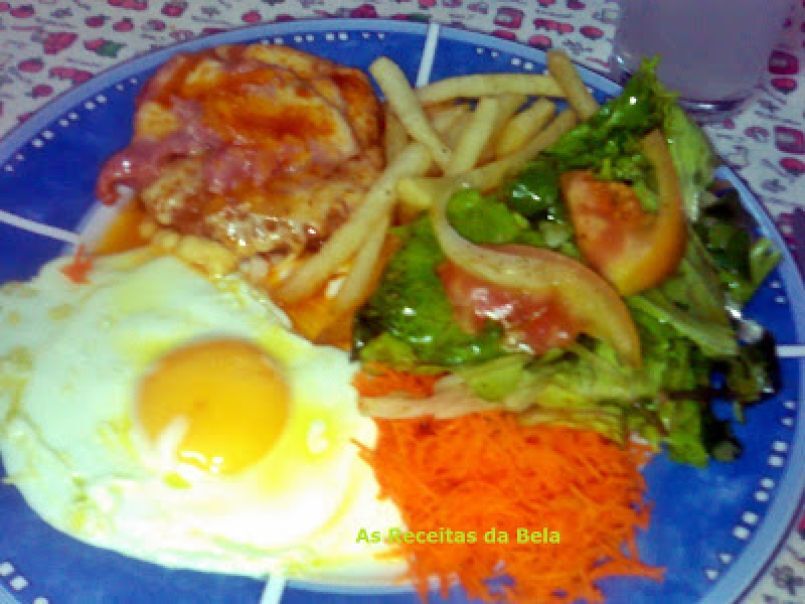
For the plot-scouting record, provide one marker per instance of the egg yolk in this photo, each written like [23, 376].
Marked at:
[227, 398]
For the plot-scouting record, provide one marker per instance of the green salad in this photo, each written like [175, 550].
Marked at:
[687, 321]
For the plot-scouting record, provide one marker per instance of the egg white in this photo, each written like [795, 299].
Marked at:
[70, 362]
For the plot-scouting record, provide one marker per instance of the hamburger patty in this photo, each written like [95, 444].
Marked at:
[264, 149]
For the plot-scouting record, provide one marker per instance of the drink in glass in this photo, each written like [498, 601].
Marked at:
[711, 51]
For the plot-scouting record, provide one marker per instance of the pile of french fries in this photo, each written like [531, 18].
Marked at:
[465, 131]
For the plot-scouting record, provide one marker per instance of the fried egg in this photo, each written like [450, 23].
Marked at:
[178, 420]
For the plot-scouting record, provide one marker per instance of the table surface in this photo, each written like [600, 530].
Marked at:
[49, 46]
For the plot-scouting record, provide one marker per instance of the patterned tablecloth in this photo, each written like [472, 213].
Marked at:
[48, 46]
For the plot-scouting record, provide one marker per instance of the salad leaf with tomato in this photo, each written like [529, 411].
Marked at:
[539, 350]
[409, 319]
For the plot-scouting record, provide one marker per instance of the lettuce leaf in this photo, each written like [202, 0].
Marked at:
[740, 263]
[410, 305]
[484, 220]
[692, 155]
[609, 142]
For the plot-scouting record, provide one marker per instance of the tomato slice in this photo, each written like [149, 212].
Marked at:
[562, 300]
[634, 249]
[539, 322]
[544, 274]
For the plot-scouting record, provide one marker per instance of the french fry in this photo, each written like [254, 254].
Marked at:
[523, 127]
[338, 332]
[508, 104]
[456, 129]
[565, 74]
[416, 194]
[475, 137]
[437, 109]
[342, 245]
[354, 289]
[422, 191]
[474, 86]
[404, 102]
[395, 138]
[491, 175]
[444, 119]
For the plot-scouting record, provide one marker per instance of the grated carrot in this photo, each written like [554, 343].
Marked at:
[376, 379]
[484, 471]
[79, 267]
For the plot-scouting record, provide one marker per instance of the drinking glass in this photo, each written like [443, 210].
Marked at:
[712, 52]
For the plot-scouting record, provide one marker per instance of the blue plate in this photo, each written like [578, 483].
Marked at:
[714, 530]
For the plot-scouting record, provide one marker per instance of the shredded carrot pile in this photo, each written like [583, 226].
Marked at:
[376, 379]
[485, 471]
[78, 269]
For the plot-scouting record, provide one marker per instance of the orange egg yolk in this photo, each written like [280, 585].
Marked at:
[227, 396]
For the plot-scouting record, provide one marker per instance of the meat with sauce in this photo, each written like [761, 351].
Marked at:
[264, 149]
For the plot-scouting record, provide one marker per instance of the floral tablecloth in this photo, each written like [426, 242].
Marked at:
[48, 46]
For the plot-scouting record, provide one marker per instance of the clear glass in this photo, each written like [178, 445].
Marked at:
[713, 52]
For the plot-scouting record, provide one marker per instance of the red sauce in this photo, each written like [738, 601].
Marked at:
[256, 120]
[167, 82]
[253, 136]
